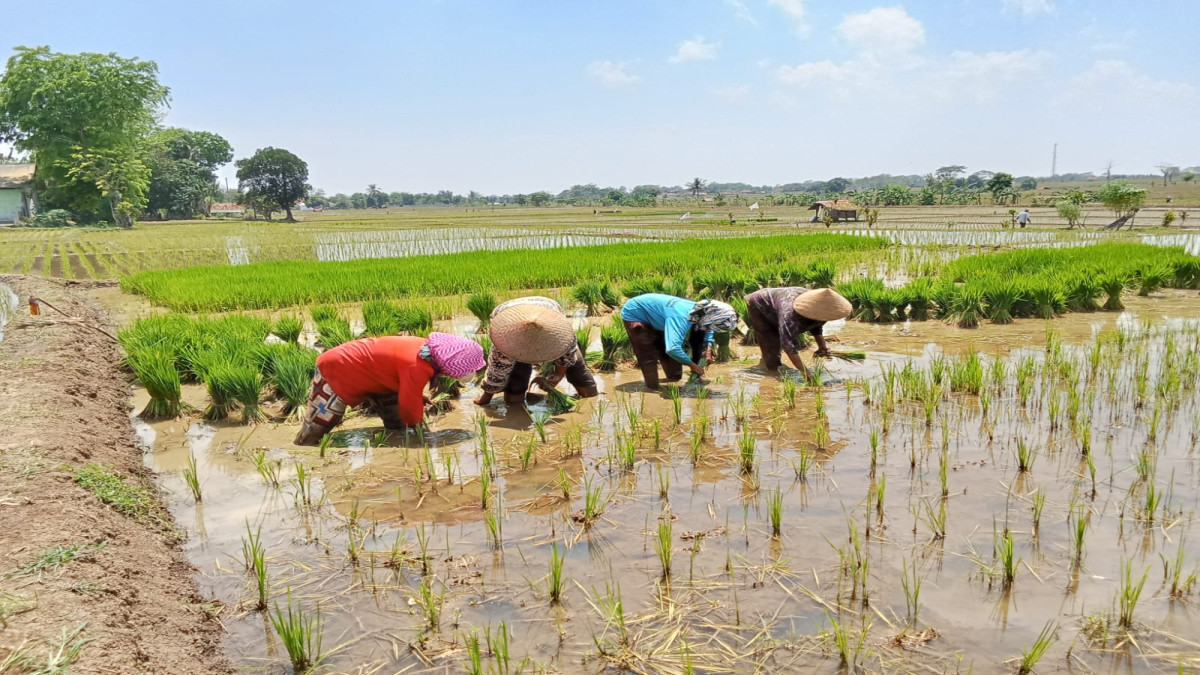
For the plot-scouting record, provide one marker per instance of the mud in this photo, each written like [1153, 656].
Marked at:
[130, 593]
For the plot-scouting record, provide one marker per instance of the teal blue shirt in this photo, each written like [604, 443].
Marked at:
[668, 314]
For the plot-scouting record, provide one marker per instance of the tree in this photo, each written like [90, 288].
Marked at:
[94, 108]
[837, 185]
[950, 172]
[1188, 177]
[980, 178]
[540, 198]
[1028, 183]
[1169, 171]
[999, 184]
[274, 174]
[696, 186]
[1071, 211]
[1121, 197]
[376, 198]
[183, 166]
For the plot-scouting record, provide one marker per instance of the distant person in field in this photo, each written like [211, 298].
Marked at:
[394, 369]
[1023, 218]
[663, 328]
[527, 332]
[780, 317]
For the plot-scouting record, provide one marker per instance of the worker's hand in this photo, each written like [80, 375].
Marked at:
[823, 353]
[426, 400]
[697, 369]
[710, 354]
[484, 399]
[636, 324]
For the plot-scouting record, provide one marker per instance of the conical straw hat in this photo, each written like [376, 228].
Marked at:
[822, 304]
[532, 333]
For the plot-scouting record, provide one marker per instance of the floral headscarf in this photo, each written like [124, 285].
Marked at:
[714, 315]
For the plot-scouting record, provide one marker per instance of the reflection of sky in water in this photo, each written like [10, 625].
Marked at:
[1190, 241]
[238, 252]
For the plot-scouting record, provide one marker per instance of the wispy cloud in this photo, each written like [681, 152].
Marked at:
[694, 50]
[741, 11]
[883, 31]
[612, 74]
[795, 11]
[1029, 8]
[730, 92]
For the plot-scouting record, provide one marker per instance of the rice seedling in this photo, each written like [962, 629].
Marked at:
[303, 481]
[559, 402]
[485, 489]
[593, 504]
[724, 353]
[155, 369]
[626, 447]
[918, 295]
[322, 313]
[675, 393]
[431, 603]
[423, 547]
[481, 305]
[775, 511]
[1031, 656]
[1077, 527]
[1025, 454]
[1008, 559]
[787, 386]
[288, 328]
[267, 469]
[540, 417]
[935, 519]
[1082, 292]
[910, 581]
[747, 452]
[662, 546]
[1128, 594]
[656, 433]
[1039, 504]
[1000, 297]
[300, 632]
[494, 526]
[821, 436]
[803, 464]
[873, 442]
[944, 474]
[333, 333]
[293, 372]
[880, 489]
[255, 558]
[590, 295]
[1180, 585]
[564, 483]
[246, 384]
[614, 346]
[474, 654]
[192, 479]
[848, 646]
[967, 306]
[557, 582]
[1153, 277]
[528, 453]
[1113, 285]
[1153, 500]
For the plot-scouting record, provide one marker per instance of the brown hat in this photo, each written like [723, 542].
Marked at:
[822, 304]
[531, 333]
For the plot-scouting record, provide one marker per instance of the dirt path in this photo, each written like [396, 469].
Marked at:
[106, 576]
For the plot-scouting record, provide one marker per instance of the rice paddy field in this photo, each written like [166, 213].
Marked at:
[1007, 482]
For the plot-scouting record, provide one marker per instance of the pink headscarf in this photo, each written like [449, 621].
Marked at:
[455, 356]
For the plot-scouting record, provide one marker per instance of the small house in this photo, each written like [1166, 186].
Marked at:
[220, 209]
[16, 192]
[842, 209]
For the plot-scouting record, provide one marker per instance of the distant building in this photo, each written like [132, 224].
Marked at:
[842, 209]
[16, 191]
[227, 209]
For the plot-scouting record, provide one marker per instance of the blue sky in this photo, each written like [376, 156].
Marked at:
[504, 97]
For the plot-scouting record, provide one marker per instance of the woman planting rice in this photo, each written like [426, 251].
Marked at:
[660, 326]
[526, 332]
[379, 368]
[781, 315]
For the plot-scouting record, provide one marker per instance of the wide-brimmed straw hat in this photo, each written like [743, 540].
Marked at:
[822, 304]
[532, 333]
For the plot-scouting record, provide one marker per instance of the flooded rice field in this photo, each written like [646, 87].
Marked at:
[937, 508]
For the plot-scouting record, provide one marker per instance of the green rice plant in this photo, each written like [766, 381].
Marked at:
[1008, 560]
[1001, 296]
[664, 483]
[821, 436]
[255, 557]
[944, 292]
[583, 338]
[675, 393]
[192, 479]
[743, 310]
[888, 305]
[880, 490]
[593, 503]
[848, 646]
[590, 294]
[220, 382]
[323, 313]
[481, 305]
[1046, 299]
[288, 328]
[1153, 500]
[246, 384]
[333, 333]
[803, 464]
[944, 474]
[968, 306]
[300, 633]
[1180, 585]
[414, 321]
[747, 452]
[910, 581]
[643, 286]
[422, 536]
[528, 453]
[474, 654]
[720, 283]
[935, 519]
[1039, 504]
[918, 295]
[724, 353]
[1025, 455]
[787, 387]
[1082, 292]
[1077, 526]
[862, 293]
[696, 440]
[1031, 656]
[1153, 277]
[293, 378]
[662, 545]
[540, 418]
[379, 317]
[1114, 284]
[268, 469]
[304, 488]
[1128, 594]
[155, 369]
[485, 489]
[557, 583]
[626, 446]
[614, 346]
[431, 604]
[775, 511]
[820, 274]
[494, 526]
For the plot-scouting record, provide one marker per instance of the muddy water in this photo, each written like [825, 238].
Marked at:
[738, 599]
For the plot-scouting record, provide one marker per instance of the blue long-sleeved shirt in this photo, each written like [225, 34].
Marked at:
[668, 314]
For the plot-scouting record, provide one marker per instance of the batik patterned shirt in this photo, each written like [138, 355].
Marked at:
[775, 304]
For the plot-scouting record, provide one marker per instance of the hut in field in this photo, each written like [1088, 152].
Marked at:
[16, 191]
[841, 209]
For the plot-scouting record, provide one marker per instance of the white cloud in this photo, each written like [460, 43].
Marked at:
[741, 11]
[985, 75]
[1029, 8]
[1116, 81]
[731, 92]
[694, 50]
[612, 74]
[795, 10]
[812, 74]
[883, 31]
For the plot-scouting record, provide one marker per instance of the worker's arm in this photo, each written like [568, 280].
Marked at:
[563, 363]
[499, 368]
[794, 357]
[822, 348]
[675, 335]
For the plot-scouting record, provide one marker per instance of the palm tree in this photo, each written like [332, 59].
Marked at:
[696, 186]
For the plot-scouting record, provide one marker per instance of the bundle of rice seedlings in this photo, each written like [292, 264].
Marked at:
[380, 317]
[246, 384]
[721, 340]
[694, 378]
[638, 287]
[614, 346]
[322, 313]
[918, 295]
[293, 378]
[743, 311]
[679, 287]
[967, 306]
[333, 332]
[219, 382]
[484, 341]
[288, 328]
[1114, 284]
[583, 338]
[609, 296]
[414, 321]
[1082, 291]
[1046, 298]
[1000, 297]
[943, 295]
[444, 390]
[558, 401]
[481, 305]
[722, 284]
[848, 355]
[590, 294]
[820, 274]
[888, 305]
[155, 368]
[861, 293]
[264, 356]
[1187, 273]
[1153, 277]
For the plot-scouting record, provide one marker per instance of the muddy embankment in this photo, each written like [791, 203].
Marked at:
[91, 573]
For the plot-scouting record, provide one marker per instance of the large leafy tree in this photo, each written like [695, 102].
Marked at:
[183, 178]
[999, 184]
[1122, 197]
[276, 175]
[83, 119]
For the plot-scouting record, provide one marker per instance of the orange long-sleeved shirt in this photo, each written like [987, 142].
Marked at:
[380, 365]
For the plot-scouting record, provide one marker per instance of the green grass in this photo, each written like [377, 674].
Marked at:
[291, 283]
[52, 559]
[56, 660]
[130, 500]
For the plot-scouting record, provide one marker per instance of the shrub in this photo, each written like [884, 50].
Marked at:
[51, 218]
[1070, 211]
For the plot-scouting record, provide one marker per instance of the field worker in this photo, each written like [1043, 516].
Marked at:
[661, 326]
[527, 332]
[35, 306]
[781, 315]
[393, 365]
[1023, 218]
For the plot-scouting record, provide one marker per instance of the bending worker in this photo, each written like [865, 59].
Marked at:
[781, 316]
[381, 367]
[661, 326]
[527, 332]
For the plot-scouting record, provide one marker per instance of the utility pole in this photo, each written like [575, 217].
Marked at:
[1054, 162]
